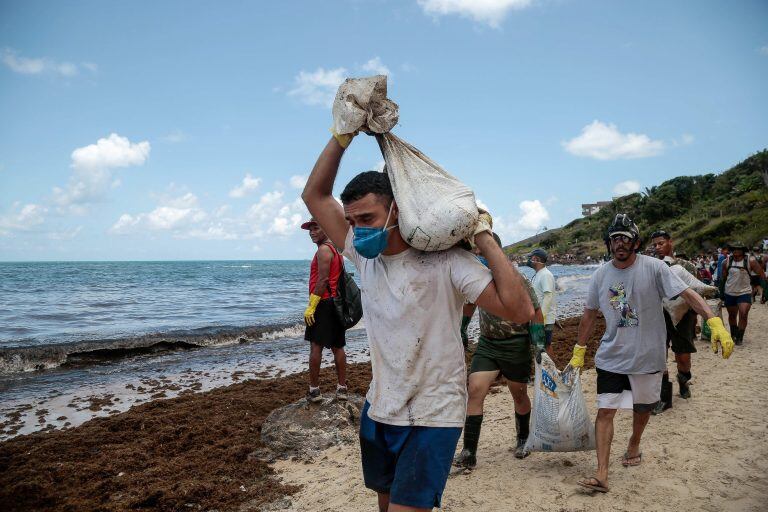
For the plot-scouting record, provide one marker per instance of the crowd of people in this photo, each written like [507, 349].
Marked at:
[418, 305]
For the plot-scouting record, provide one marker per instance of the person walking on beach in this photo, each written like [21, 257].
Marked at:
[736, 288]
[679, 337]
[504, 347]
[324, 328]
[754, 277]
[416, 403]
[544, 286]
[632, 353]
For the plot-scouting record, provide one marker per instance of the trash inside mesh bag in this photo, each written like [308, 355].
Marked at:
[677, 307]
[559, 419]
[436, 210]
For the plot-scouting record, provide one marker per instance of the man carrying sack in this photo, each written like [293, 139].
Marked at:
[416, 404]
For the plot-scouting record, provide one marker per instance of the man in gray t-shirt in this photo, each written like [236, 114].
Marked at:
[628, 290]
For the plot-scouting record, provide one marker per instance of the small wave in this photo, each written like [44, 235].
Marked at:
[48, 356]
[565, 283]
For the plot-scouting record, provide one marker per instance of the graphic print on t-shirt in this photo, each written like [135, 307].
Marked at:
[619, 302]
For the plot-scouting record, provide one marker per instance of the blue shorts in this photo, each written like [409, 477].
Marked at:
[549, 329]
[733, 300]
[411, 464]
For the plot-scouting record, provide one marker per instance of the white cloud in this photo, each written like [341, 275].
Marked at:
[298, 181]
[248, 185]
[626, 187]
[376, 67]
[490, 12]
[318, 87]
[181, 216]
[173, 215]
[534, 215]
[92, 170]
[110, 152]
[22, 218]
[36, 66]
[605, 142]
[531, 218]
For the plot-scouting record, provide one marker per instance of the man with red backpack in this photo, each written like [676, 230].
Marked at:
[324, 328]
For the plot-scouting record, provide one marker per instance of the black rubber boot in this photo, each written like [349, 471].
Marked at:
[522, 423]
[665, 398]
[736, 335]
[468, 456]
[682, 380]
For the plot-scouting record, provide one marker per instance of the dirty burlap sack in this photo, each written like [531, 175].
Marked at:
[436, 209]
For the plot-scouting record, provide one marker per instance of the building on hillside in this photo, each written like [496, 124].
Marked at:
[588, 209]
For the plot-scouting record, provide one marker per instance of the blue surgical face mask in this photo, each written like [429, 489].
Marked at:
[370, 242]
[483, 260]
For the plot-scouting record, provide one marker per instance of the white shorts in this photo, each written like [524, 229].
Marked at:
[637, 392]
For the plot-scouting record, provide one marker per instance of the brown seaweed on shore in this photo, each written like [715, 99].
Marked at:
[190, 452]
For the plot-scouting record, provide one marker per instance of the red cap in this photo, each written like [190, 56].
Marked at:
[309, 223]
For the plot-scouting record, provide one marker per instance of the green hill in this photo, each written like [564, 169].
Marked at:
[702, 213]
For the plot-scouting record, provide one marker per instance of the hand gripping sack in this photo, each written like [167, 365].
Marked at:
[559, 419]
[436, 210]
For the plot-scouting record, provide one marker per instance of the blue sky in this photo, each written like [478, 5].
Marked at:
[184, 130]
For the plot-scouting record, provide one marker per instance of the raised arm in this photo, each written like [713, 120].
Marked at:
[318, 194]
[505, 296]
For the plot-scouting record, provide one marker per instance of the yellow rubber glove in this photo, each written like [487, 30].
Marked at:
[484, 223]
[719, 334]
[344, 139]
[309, 313]
[579, 351]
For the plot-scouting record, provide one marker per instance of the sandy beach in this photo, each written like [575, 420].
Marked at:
[194, 452]
[707, 453]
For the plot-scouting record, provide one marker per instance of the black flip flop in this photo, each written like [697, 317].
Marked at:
[600, 487]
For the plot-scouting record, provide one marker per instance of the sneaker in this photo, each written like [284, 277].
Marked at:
[465, 459]
[660, 408]
[341, 393]
[314, 396]
[520, 451]
[685, 391]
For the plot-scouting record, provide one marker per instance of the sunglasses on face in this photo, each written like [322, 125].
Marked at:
[621, 238]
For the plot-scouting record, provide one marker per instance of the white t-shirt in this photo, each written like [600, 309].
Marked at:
[631, 301]
[543, 281]
[412, 306]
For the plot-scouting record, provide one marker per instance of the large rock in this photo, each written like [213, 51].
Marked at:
[302, 429]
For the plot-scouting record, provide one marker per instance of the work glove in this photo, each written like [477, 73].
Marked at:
[344, 139]
[719, 334]
[464, 336]
[309, 313]
[538, 340]
[484, 223]
[577, 361]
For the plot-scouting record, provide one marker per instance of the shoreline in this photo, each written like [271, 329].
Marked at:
[160, 453]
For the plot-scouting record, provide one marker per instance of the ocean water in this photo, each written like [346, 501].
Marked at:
[76, 335]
